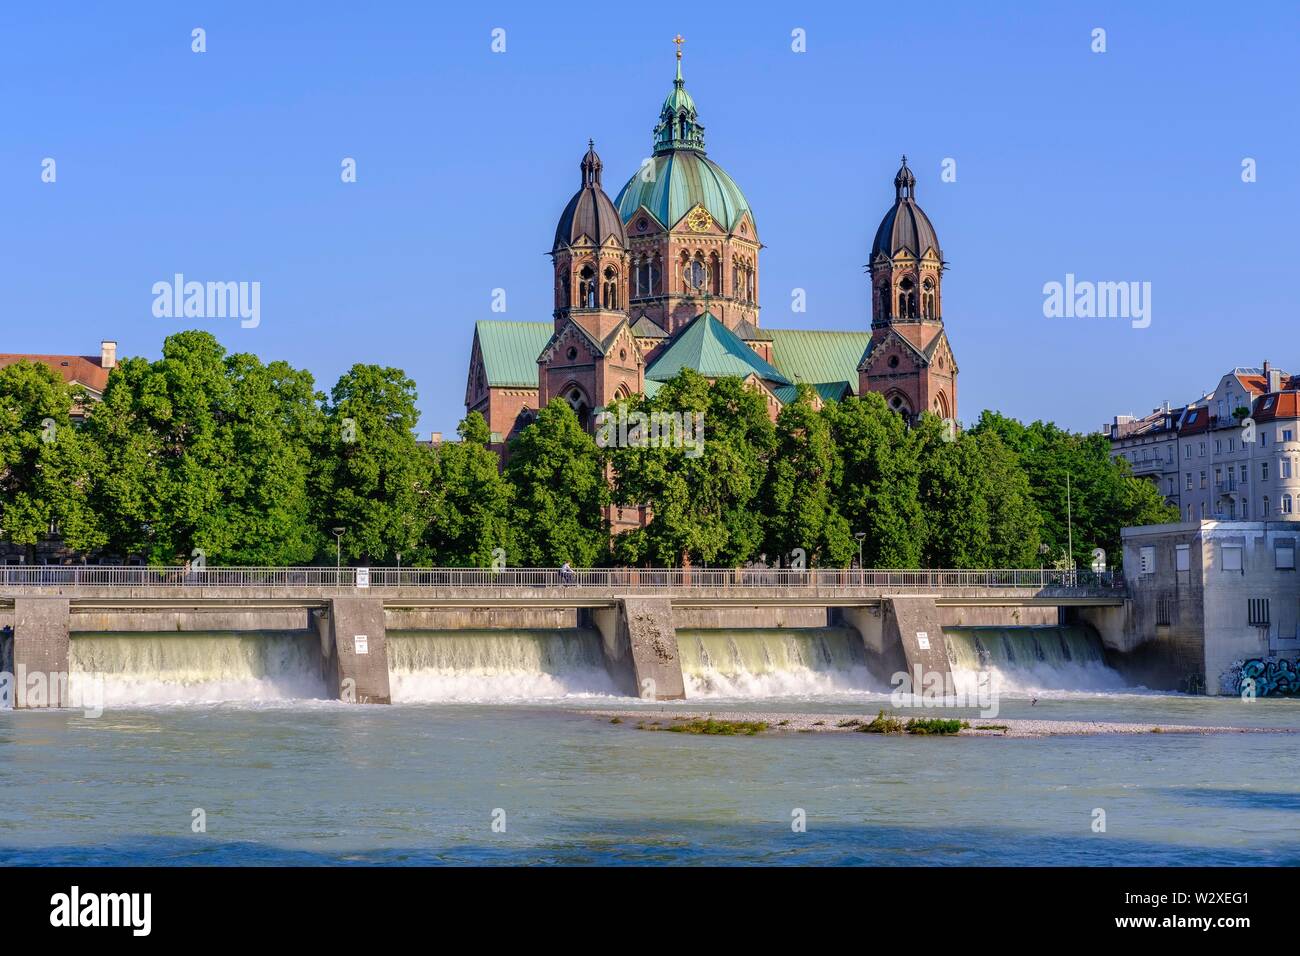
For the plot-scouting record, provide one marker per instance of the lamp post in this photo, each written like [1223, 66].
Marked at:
[861, 536]
[338, 554]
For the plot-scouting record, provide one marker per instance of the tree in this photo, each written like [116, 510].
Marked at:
[560, 492]
[1078, 487]
[470, 507]
[703, 495]
[374, 481]
[954, 496]
[45, 463]
[798, 501]
[204, 454]
[877, 480]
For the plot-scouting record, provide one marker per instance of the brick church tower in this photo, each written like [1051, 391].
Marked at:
[592, 358]
[909, 360]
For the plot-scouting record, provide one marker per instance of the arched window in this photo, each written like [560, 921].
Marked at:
[577, 400]
[609, 296]
[884, 301]
[907, 299]
[587, 288]
[928, 301]
[1286, 504]
[715, 274]
[654, 275]
[565, 301]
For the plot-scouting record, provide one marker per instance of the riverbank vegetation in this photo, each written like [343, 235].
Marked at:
[215, 454]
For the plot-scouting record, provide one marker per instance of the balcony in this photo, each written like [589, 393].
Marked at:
[1149, 466]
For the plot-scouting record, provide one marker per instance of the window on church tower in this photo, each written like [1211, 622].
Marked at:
[587, 288]
[609, 295]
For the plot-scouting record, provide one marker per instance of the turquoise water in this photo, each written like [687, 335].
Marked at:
[301, 782]
[487, 728]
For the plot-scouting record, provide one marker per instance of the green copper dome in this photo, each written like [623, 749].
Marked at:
[681, 180]
[680, 176]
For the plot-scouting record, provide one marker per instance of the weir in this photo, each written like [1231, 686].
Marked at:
[470, 634]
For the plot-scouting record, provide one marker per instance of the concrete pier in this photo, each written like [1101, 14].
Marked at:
[356, 654]
[640, 641]
[41, 647]
[914, 626]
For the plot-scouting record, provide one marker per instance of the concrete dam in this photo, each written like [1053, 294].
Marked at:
[532, 637]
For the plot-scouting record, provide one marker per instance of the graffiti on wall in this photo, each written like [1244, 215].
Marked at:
[1267, 676]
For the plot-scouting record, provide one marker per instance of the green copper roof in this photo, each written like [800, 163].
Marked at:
[680, 180]
[818, 357]
[679, 126]
[510, 350]
[713, 350]
[828, 391]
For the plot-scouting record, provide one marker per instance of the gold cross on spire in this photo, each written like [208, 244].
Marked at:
[679, 40]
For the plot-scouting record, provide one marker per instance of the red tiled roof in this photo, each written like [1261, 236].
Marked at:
[1195, 421]
[1256, 384]
[81, 369]
[1277, 405]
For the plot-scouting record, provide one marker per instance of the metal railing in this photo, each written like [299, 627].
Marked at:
[650, 579]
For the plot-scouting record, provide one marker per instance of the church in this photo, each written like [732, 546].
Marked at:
[666, 276]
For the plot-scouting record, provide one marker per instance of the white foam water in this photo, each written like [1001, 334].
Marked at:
[773, 662]
[497, 665]
[143, 668]
[1031, 661]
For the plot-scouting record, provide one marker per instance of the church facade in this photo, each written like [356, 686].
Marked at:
[666, 275]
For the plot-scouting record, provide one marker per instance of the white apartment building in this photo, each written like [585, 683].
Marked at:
[1230, 455]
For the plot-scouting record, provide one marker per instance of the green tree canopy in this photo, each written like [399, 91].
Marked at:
[208, 451]
[877, 480]
[374, 481]
[703, 497]
[798, 499]
[561, 494]
[471, 506]
[45, 464]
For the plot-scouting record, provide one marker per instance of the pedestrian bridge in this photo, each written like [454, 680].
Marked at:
[100, 586]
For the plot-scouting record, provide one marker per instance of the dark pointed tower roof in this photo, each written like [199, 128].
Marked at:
[590, 212]
[905, 226]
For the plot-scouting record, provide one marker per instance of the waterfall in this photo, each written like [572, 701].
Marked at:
[146, 667]
[773, 662]
[496, 665]
[1026, 659]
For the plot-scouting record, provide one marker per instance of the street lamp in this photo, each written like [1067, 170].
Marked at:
[861, 536]
[338, 552]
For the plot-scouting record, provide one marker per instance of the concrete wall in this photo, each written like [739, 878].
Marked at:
[41, 645]
[1184, 628]
[641, 633]
[749, 617]
[263, 619]
[473, 618]
[913, 623]
[361, 670]
[998, 616]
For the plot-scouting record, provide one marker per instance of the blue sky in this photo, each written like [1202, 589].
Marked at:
[1119, 166]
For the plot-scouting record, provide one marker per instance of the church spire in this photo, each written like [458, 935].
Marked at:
[679, 127]
[591, 165]
[904, 182]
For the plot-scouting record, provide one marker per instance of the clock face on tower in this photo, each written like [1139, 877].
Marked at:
[699, 220]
